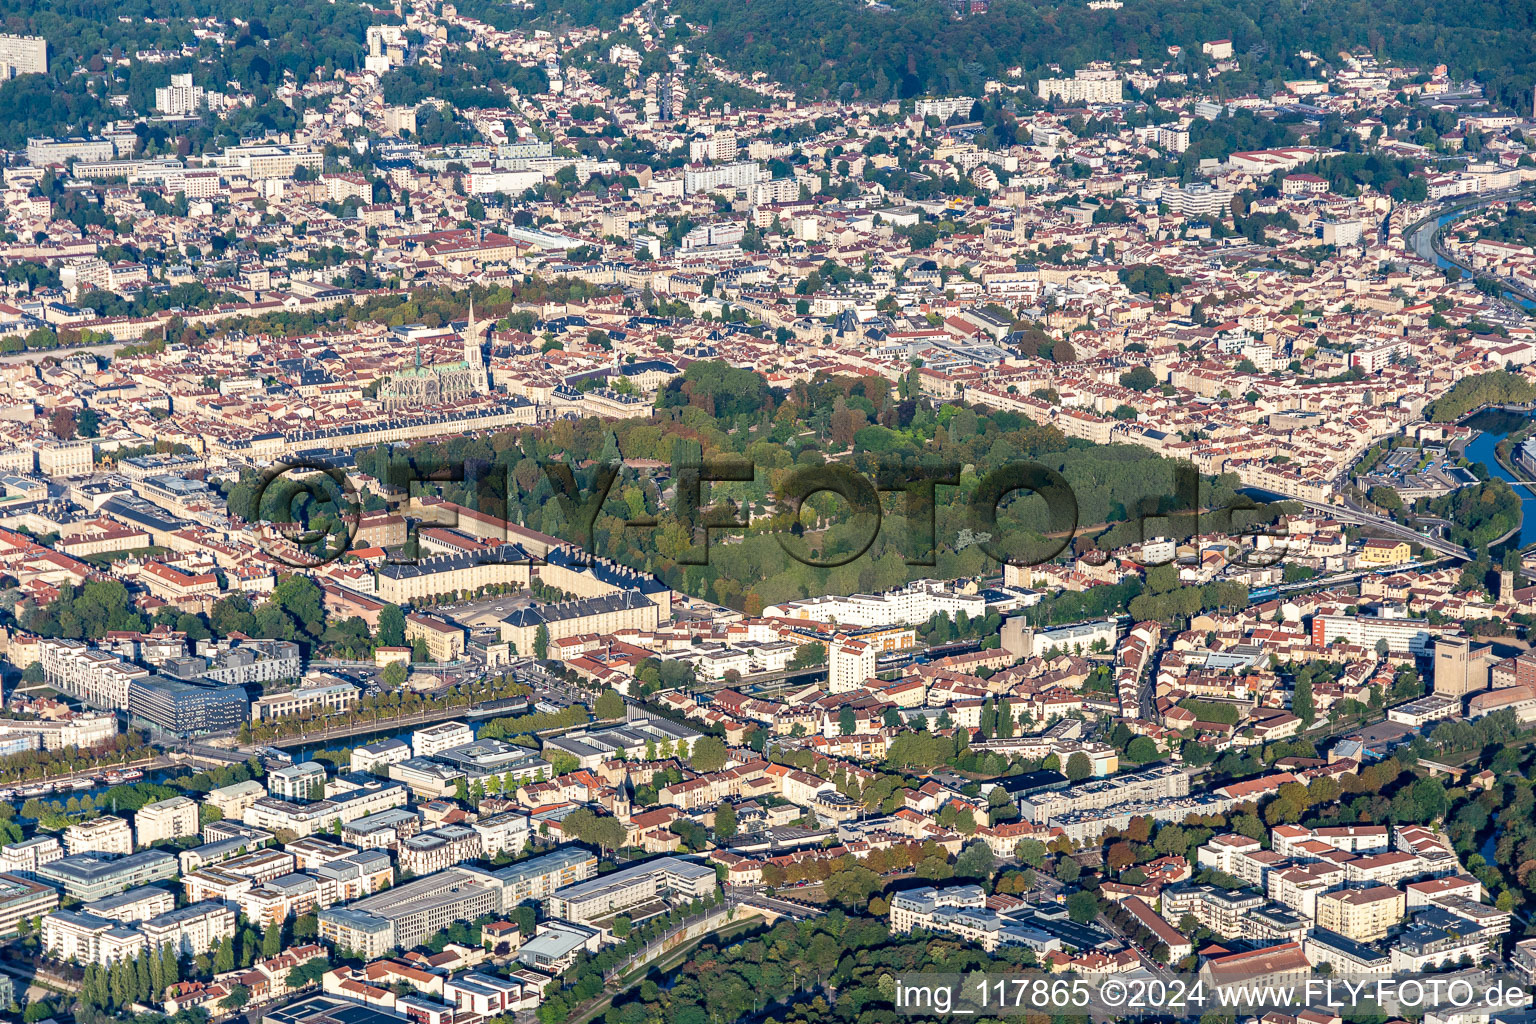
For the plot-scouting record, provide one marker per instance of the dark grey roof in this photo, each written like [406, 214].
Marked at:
[544, 614]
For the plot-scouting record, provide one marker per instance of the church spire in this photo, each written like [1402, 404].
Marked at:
[474, 357]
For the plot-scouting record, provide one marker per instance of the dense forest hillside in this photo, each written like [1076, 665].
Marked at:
[845, 48]
[107, 37]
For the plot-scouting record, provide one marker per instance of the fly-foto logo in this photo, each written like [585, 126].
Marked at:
[321, 511]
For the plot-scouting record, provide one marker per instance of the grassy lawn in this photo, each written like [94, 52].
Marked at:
[106, 558]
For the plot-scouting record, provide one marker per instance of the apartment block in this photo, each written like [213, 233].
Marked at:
[538, 878]
[506, 832]
[22, 55]
[25, 857]
[134, 905]
[303, 781]
[99, 678]
[961, 910]
[165, 820]
[1288, 840]
[353, 877]
[1163, 782]
[106, 834]
[434, 739]
[1299, 887]
[439, 849]
[384, 830]
[90, 938]
[409, 914]
[233, 801]
[614, 893]
[1363, 915]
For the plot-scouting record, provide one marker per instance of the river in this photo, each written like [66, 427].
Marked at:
[1422, 242]
[1495, 425]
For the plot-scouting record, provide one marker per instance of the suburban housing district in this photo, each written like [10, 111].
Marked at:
[412, 602]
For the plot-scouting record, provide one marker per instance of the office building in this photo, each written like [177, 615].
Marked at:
[555, 946]
[323, 699]
[495, 757]
[92, 876]
[427, 778]
[172, 707]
